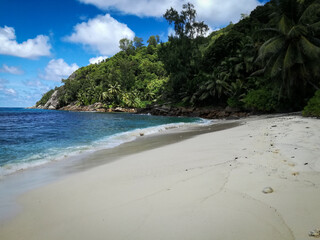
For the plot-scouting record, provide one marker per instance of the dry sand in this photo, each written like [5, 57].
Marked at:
[207, 187]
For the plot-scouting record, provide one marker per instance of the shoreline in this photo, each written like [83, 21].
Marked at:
[19, 182]
[209, 186]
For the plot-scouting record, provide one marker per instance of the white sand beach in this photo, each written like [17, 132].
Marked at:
[207, 187]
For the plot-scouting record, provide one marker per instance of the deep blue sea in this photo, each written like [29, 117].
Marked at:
[31, 137]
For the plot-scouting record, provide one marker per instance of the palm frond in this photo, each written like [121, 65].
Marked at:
[277, 66]
[258, 72]
[309, 15]
[285, 24]
[297, 31]
[314, 27]
[270, 47]
[309, 49]
[290, 56]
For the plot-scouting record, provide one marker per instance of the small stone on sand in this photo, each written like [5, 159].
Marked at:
[315, 233]
[267, 190]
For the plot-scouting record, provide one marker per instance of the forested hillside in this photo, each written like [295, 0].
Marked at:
[268, 62]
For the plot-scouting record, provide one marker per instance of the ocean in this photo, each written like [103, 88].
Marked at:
[33, 137]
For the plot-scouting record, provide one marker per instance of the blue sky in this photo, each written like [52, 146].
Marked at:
[42, 42]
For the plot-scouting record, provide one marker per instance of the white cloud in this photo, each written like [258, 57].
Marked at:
[13, 70]
[10, 91]
[32, 48]
[154, 8]
[217, 13]
[102, 34]
[5, 90]
[214, 12]
[97, 59]
[58, 69]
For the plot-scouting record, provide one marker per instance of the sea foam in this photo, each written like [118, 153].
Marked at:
[112, 141]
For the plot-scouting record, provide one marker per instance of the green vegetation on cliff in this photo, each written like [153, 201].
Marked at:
[267, 62]
[133, 77]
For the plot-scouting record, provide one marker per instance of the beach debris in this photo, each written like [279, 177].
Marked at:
[274, 126]
[306, 163]
[315, 233]
[295, 173]
[141, 134]
[267, 190]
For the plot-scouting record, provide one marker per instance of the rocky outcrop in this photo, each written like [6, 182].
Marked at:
[96, 107]
[163, 110]
[53, 102]
[209, 113]
[160, 110]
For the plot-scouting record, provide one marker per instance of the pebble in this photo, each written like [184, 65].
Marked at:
[267, 190]
[315, 233]
[141, 134]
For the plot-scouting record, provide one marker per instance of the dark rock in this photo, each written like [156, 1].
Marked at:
[231, 109]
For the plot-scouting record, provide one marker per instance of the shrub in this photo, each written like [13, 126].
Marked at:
[313, 107]
[261, 100]
[234, 102]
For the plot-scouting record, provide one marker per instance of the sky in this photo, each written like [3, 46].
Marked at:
[44, 41]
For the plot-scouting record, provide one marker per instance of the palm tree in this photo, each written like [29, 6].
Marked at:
[292, 55]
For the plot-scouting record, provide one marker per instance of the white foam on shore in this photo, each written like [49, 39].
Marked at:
[53, 155]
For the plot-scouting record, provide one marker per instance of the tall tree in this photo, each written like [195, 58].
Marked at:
[185, 24]
[138, 42]
[126, 45]
[153, 40]
[292, 55]
[181, 54]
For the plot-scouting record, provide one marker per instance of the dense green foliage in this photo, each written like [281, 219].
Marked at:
[269, 61]
[261, 100]
[133, 77]
[313, 107]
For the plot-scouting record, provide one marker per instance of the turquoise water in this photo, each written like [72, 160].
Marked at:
[31, 137]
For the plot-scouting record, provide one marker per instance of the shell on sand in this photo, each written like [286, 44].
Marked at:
[267, 190]
[315, 233]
